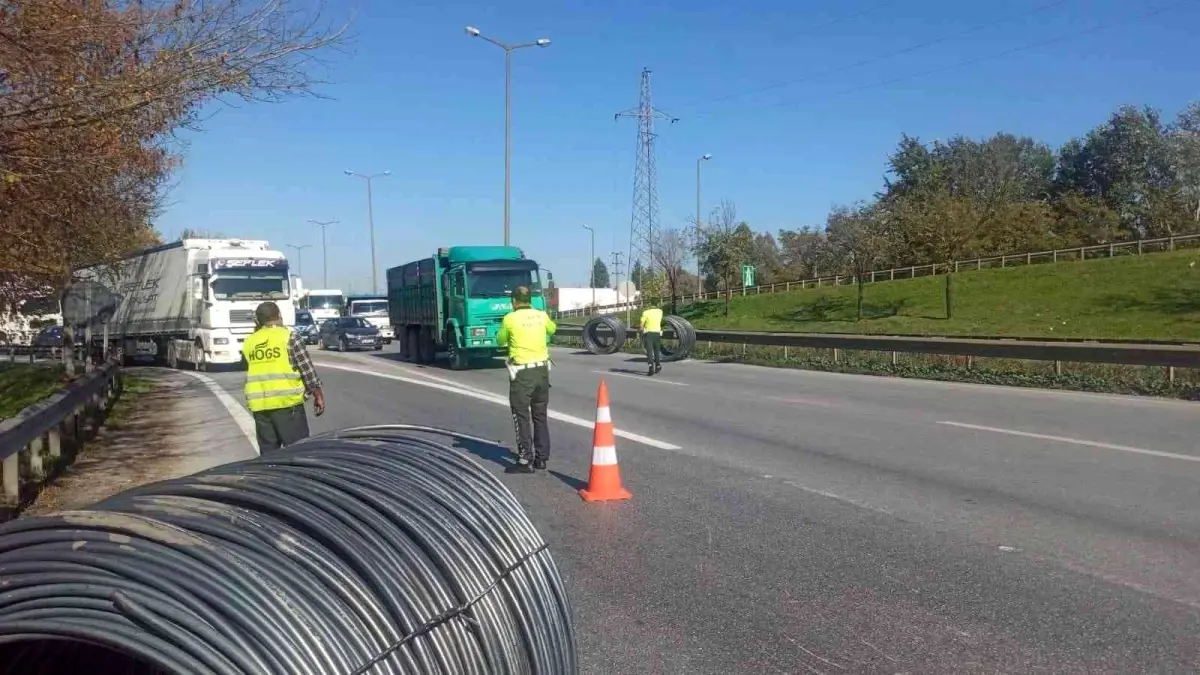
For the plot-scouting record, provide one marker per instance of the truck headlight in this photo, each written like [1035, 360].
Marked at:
[479, 332]
[220, 341]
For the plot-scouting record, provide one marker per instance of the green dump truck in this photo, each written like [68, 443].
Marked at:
[454, 301]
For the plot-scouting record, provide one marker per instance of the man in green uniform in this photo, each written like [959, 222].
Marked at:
[526, 332]
[651, 329]
[279, 374]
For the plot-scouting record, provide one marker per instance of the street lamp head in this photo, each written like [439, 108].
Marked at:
[472, 31]
[543, 42]
[706, 157]
[587, 227]
[348, 172]
[387, 173]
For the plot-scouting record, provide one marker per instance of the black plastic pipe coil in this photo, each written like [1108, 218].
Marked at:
[369, 550]
[598, 342]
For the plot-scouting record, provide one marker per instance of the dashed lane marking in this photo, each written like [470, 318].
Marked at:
[1075, 441]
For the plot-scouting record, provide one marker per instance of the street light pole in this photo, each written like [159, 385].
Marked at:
[299, 260]
[592, 261]
[371, 221]
[324, 248]
[508, 50]
[699, 281]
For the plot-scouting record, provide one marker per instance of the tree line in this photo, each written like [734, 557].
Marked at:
[1136, 176]
[92, 95]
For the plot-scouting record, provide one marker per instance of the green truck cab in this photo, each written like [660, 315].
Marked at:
[454, 302]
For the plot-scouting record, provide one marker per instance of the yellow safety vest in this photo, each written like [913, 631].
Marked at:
[652, 320]
[525, 332]
[272, 383]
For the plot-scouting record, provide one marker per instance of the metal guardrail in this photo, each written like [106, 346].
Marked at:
[914, 271]
[1134, 354]
[38, 431]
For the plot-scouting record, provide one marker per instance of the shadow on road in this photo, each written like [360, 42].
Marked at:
[571, 481]
[502, 456]
[440, 363]
[628, 371]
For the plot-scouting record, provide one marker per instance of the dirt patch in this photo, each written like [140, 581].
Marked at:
[147, 438]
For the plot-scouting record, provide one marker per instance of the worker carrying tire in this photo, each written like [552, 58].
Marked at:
[526, 332]
[279, 376]
[651, 329]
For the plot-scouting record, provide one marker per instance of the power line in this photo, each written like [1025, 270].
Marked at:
[1008, 52]
[881, 57]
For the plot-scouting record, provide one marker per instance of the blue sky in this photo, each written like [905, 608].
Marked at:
[416, 96]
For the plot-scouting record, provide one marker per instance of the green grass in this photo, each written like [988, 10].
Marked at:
[1148, 297]
[22, 385]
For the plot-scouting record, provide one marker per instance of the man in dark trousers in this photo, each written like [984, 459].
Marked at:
[279, 375]
[526, 332]
[651, 329]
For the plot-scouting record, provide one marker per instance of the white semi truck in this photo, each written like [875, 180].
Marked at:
[323, 303]
[374, 309]
[193, 301]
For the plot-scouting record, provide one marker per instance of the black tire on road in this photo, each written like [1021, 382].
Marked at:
[608, 341]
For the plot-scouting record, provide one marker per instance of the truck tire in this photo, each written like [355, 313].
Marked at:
[428, 346]
[414, 344]
[458, 357]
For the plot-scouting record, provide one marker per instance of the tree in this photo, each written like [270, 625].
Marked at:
[635, 275]
[599, 274]
[766, 258]
[1185, 146]
[855, 234]
[804, 253]
[724, 246]
[670, 251]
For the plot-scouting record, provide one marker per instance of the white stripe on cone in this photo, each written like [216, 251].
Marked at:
[603, 415]
[604, 455]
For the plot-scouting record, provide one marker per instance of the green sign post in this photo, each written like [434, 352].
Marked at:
[747, 275]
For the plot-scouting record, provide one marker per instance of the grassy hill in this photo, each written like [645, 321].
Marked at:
[1148, 297]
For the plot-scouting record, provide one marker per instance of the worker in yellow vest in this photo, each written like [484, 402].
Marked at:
[526, 332]
[651, 330]
[279, 375]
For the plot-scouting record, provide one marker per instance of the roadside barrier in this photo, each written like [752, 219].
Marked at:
[373, 549]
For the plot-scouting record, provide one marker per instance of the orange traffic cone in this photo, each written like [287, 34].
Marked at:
[605, 482]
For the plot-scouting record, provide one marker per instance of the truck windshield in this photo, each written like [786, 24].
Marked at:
[323, 302]
[368, 306]
[251, 285]
[497, 283]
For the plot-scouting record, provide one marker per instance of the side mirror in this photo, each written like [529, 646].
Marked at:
[198, 288]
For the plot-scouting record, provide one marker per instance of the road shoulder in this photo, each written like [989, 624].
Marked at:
[173, 425]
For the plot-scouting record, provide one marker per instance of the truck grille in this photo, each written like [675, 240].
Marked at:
[241, 316]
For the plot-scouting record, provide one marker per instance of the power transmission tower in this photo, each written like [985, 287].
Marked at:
[616, 269]
[645, 175]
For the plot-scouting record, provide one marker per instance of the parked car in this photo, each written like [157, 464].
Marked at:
[307, 326]
[349, 332]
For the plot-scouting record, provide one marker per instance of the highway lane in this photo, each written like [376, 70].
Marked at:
[791, 521]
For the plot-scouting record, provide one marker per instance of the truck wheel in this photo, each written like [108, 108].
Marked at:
[414, 345]
[458, 358]
[428, 347]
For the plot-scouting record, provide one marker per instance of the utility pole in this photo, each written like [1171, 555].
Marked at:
[299, 260]
[592, 265]
[508, 50]
[699, 281]
[616, 263]
[370, 221]
[324, 249]
[645, 174]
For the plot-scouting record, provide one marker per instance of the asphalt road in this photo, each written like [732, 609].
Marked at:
[794, 522]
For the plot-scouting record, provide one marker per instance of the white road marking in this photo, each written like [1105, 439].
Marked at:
[1076, 441]
[462, 390]
[240, 415]
[644, 378]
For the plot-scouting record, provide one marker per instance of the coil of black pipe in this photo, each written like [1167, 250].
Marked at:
[685, 338]
[368, 550]
[598, 342]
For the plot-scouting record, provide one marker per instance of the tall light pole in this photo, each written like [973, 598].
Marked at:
[592, 262]
[370, 221]
[508, 50]
[699, 282]
[324, 249]
[299, 260]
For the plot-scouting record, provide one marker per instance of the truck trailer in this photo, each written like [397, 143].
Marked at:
[455, 300]
[374, 310]
[193, 301]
